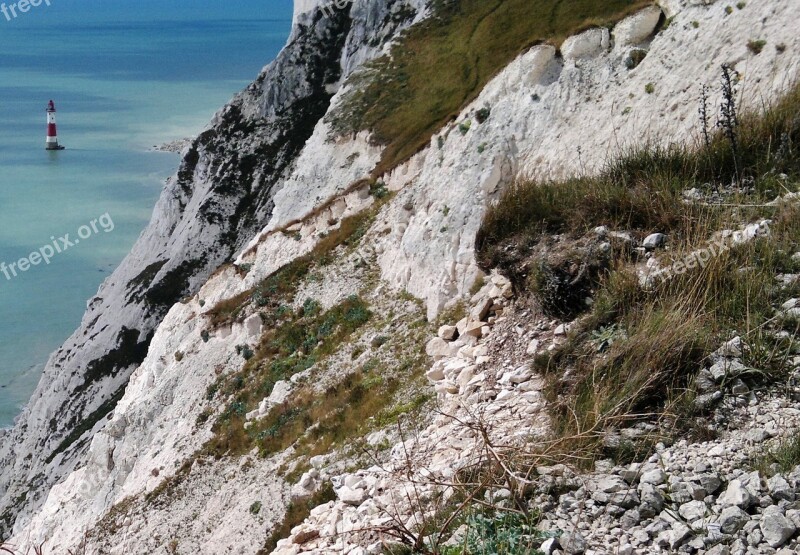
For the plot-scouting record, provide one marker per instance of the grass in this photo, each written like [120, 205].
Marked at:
[442, 64]
[649, 370]
[781, 459]
[455, 313]
[642, 192]
[390, 415]
[643, 189]
[663, 333]
[315, 423]
[662, 348]
[477, 285]
[314, 420]
[323, 421]
[279, 288]
[297, 342]
[296, 513]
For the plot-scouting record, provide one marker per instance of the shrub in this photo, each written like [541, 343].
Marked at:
[255, 508]
[606, 336]
[211, 391]
[245, 351]
[501, 533]
[311, 307]
[379, 341]
[562, 288]
[649, 88]
[378, 190]
[635, 58]
[756, 46]
[203, 417]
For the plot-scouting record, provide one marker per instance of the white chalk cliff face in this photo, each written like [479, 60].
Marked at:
[114, 403]
[221, 196]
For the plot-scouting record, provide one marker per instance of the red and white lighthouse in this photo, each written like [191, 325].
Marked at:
[52, 135]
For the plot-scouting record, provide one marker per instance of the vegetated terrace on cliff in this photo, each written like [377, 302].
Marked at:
[443, 63]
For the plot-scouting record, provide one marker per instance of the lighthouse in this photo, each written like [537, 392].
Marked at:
[52, 136]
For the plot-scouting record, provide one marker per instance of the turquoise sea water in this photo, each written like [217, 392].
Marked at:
[124, 76]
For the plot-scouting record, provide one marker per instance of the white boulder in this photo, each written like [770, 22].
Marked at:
[638, 27]
[588, 44]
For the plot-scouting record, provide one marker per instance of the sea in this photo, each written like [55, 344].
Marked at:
[124, 75]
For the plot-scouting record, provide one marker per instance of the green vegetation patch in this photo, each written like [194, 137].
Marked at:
[272, 295]
[442, 64]
[297, 341]
[756, 46]
[321, 421]
[500, 533]
[783, 458]
[296, 513]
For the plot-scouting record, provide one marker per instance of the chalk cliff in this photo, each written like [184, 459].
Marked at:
[119, 412]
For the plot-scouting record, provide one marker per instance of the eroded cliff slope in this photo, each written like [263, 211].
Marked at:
[156, 427]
